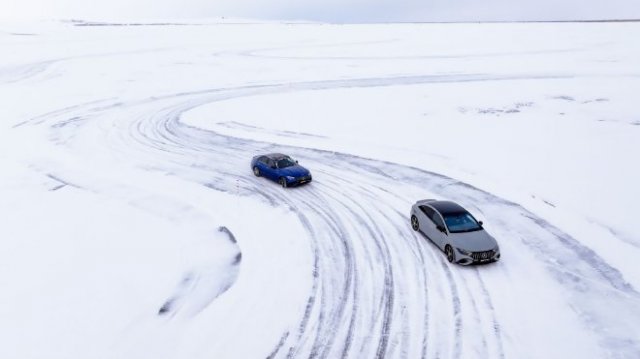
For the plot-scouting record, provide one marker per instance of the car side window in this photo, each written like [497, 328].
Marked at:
[262, 159]
[437, 220]
[271, 163]
[427, 210]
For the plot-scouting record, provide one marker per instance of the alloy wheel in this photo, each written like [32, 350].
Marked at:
[450, 255]
[414, 223]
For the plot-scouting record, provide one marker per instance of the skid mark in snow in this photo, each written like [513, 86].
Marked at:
[588, 256]
[386, 303]
[341, 252]
[23, 72]
[62, 183]
[17, 73]
[267, 53]
[622, 236]
[280, 344]
[83, 107]
[456, 338]
[210, 278]
[494, 322]
[238, 125]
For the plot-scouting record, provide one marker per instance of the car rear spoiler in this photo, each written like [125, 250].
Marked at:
[423, 201]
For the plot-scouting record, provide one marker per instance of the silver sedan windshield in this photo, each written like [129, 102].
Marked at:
[461, 222]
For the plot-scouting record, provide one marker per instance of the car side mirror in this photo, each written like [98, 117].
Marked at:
[273, 167]
[441, 229]
[296, 161]
[480, 223]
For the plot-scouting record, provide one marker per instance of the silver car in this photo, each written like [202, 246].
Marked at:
[455, 231]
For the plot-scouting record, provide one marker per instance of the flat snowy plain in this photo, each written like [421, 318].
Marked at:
[131, 225]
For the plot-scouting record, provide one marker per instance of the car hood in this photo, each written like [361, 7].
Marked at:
[476, 241]
[294, 171]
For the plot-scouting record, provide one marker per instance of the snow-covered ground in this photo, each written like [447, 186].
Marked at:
[131, 225]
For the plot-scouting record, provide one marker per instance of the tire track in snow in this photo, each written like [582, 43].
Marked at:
[417, 248]
[13, 74]
[304, 322]
[373, 232]
[328, 321]
[23, 72]
[494, 322]
[324, 341]
[387, 299]
[456, 338]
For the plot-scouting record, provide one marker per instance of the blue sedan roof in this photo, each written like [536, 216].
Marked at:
[276, 156]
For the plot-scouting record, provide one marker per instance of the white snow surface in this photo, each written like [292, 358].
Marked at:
[132, 227]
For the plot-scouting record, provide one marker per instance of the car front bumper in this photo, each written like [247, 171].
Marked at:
[477, 257]
[298, 181]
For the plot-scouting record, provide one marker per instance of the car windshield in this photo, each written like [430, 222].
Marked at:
[285, 162]
[461, 222]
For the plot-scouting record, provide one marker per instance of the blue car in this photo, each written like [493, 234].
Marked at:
[280, 168]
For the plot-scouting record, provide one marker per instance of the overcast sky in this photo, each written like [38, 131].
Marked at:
[325, 10]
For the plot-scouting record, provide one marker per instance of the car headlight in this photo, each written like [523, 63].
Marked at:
[462, 251]
[290, 178]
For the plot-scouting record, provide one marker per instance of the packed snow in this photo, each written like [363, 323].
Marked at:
[132, 225]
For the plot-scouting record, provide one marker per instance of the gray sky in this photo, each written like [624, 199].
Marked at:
[325, 10]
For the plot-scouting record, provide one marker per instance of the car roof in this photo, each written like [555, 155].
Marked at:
[276, 156]
[447, 207]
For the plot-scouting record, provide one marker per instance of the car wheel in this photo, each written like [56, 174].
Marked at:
[283, 182]
[414, 223]
[451, 256]
[256, 171]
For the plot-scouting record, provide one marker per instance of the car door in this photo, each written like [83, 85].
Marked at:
[426, 222]
[270, 169]
[441, 234]
[423, 219]
[261, 163]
